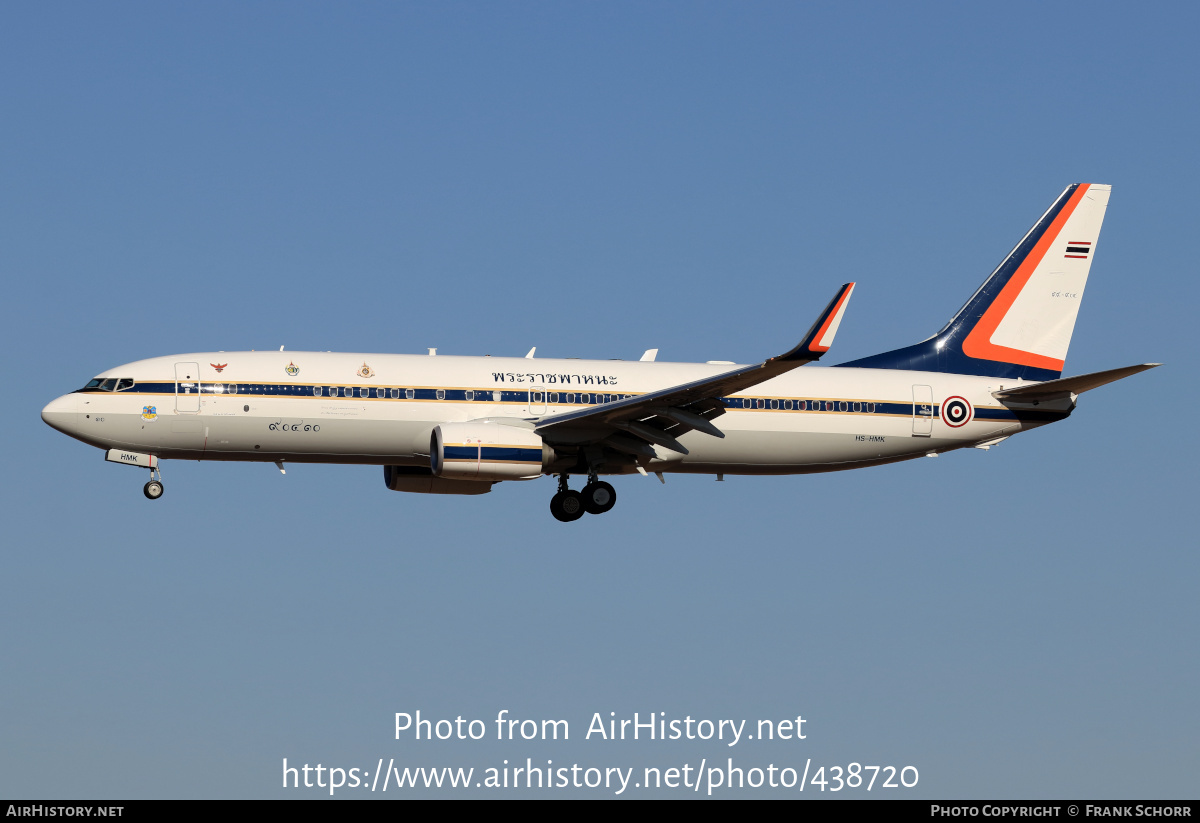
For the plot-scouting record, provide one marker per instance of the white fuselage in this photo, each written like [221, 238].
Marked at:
[381, 408]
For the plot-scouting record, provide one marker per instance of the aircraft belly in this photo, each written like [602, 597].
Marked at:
[758, 445]
[777, 450]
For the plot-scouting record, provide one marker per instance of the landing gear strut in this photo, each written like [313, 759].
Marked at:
[154, 489]
[597, 497]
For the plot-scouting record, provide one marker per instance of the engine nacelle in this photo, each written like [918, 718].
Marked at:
[420, 480]
[478, 450]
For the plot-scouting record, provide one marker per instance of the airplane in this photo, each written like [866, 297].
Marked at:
[458, 425]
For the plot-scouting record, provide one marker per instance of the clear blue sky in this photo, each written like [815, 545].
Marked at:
[595, 180]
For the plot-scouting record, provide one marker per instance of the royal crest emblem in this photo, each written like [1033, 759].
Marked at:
[219, 367]
[149, 412]
[292, 369]
[365, 371]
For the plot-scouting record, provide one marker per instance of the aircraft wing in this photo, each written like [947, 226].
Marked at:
[631, 425]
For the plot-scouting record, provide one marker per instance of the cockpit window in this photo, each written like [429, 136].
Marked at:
[108, 384]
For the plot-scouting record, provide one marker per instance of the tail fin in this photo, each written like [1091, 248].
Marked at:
[1019, 323]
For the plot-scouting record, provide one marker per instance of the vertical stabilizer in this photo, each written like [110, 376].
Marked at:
[1019, 323]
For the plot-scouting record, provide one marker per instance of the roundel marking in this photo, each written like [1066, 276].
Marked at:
[956, 411]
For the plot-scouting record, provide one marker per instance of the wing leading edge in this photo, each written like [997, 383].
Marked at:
[636, 424]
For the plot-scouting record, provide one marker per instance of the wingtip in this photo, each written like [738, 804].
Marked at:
[822, 339]
[820, 336]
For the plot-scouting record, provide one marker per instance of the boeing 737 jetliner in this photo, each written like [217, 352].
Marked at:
[458, 425]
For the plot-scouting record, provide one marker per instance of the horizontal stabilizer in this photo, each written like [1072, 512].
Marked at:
[1070, 385]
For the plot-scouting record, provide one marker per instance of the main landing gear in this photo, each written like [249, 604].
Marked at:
[154, 489]
[597, 497]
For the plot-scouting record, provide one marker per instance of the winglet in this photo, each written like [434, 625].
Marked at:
[820, 336]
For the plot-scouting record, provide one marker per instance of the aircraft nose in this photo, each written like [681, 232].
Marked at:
[61, 413]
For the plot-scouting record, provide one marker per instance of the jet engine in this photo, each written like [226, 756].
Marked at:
[479, 450]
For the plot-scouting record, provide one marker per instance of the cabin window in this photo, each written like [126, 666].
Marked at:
[441, 394]
[469, 395]
[842, 406]
[537, 397]
[364, 392]
[318, 391]
[395, 394]
[858, 407]
[871, 407]
[553, 397]
[497, 396]
[787, 405]
[409, 394]
[762, 404]
[774, 404]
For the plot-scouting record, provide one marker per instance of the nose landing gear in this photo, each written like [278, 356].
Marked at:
[597, 497]
[154, 489]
